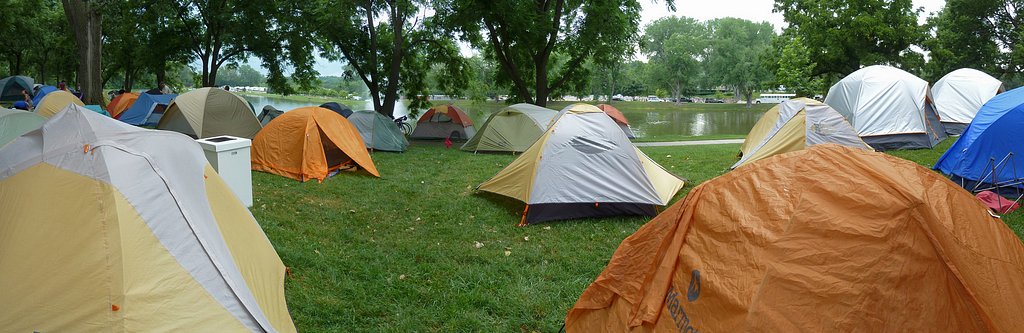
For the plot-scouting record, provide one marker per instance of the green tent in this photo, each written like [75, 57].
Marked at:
[512, 129]
[14, 123]
[11, 87]
[378, 132]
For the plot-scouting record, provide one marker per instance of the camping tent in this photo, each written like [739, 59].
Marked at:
[444, 121]
[43, 91]
[619, 118]
[98, 109]
[960, 94]
[584, 166]
[513, 128]
[109, 227]
[341, 109]
[121, 103]
[889, 108]
[825, 239]
[208, 112]
[14, 123]
[268, 114]
[988, 141]
[55, 102]
[378, 132]
[11, 87]
[147, 109]
[309, 143]
[796, 124]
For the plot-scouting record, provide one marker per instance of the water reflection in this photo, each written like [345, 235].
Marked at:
[659, 123]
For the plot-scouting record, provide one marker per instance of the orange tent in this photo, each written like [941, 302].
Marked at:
[444, 121]
[309, 143]
[614, 113]
[121, 103]
[826, 239]
[619, 119]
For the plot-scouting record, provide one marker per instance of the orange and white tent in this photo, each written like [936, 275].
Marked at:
[443, 122]
[619, 119]
[826, 239]
[309, 143]
[108, 227]
[121, 102]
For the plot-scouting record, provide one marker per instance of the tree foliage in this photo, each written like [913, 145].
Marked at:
[734, 58]
[676, 47]
[541, 46]
[794, 68]
[222, 32]
[389, 45]
[843, 35]
[37, 41]
[981, 34]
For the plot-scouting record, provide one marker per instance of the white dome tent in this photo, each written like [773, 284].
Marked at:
[960, 94]
[889, 108]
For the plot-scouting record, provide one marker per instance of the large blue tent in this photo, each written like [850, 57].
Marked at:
[142, 111]
[42, 93]
[987, 141]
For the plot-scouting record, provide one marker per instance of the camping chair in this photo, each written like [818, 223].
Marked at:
[1011, 187]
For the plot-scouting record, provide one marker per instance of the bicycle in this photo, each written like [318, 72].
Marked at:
[403, 126]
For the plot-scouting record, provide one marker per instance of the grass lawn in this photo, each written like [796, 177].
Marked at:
[418, 250]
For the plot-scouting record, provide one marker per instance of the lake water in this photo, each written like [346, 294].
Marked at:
[736, 121]
[660, 123]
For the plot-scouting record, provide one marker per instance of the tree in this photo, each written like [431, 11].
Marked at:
[975, 34]
[223, 32]
[734, 58]
[795, 69]
[49, 50]
[86, 22]
[843, 35]
[676, 47]
[390, 55]
[541, 46]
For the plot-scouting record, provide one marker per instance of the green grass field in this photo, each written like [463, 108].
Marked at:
[419, 250]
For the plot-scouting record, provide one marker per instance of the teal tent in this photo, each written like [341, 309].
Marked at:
[11, 87]
[97, 109]
[378, 132]
[14, 123]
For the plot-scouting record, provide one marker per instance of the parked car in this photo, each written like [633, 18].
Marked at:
[714, 100]
[653, 98]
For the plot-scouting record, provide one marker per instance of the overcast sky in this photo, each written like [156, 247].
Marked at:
[754, 10]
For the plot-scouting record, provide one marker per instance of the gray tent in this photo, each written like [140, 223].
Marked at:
[584, 166]
[513, 128]
[378, 132]
[268, 114]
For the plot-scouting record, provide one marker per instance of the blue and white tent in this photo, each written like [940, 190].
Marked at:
[991, 136]
[147, 109]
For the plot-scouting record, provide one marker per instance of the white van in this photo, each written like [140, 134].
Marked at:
[773, 98]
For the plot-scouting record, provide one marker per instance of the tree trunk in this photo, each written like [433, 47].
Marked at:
[16, 69]
[86, 23]
[541, 97]
[212, 76]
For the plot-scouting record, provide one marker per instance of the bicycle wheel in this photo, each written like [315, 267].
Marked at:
[405, 128]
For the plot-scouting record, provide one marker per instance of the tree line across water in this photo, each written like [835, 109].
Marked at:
[529, 51]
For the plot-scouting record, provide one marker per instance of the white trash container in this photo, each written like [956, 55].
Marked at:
[230, 157]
